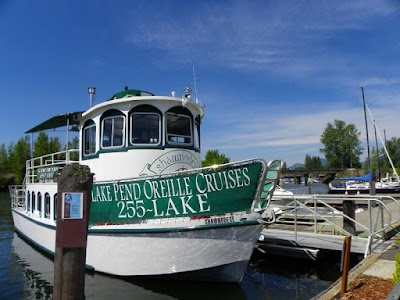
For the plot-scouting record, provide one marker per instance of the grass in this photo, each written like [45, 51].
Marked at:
[396, 274]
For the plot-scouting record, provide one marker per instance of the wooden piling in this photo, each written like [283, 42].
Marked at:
[345, 264]
[349, 209]
[75, 182]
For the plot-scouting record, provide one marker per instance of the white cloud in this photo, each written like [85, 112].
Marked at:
[249, 128]
[297, 41]
[257, 34]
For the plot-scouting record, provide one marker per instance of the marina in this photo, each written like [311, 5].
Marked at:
[200, 150]
[216, 223]
[268, 276]
[27, 273]
[312, 224]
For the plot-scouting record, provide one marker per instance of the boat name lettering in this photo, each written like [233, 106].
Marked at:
[169, 159]
[47, 172]
[206, 193]
[219, 220]
[172, 187]
[137, 209]
[223, 180]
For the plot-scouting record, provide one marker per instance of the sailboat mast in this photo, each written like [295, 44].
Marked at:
[366, 130]
[384, 144]
[377, 153]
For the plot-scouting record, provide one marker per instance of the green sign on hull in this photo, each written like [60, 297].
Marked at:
[205, 193]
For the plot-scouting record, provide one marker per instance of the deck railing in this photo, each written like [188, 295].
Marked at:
[46, 167]
[17, 194]
[318, 212]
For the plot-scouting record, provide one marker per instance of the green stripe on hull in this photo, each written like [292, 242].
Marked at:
[175, 229]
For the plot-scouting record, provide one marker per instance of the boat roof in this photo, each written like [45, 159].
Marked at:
[58, 121]
[75, 117]
[365, 178]
[128, 93]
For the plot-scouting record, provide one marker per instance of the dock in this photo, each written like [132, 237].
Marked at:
[309, 224]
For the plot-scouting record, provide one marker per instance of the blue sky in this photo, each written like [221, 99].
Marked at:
[272, 74]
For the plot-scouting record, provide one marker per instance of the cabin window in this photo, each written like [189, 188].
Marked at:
[33, 202]
[145, 125]
[47, 206]
[89, 138]
[179, 129]
[113, 128]
[39, 203]
[28, 202]
[145, 128]
[55, 207]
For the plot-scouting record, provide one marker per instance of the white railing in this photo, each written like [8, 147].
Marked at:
[17, 194]
[372, 224]
[57, 159]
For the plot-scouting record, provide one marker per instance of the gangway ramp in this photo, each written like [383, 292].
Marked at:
[313, 222]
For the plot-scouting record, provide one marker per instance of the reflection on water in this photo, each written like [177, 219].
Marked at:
[302, 189]
[38, 269]
[264, 279]
[287, 278]
[28, 274]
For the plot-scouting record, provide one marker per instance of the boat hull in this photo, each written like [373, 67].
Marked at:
[219, 253]
[394, 190]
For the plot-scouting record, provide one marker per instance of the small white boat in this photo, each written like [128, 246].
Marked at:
[361, 185]
[154, 210]
[280, 193]
[390, 181]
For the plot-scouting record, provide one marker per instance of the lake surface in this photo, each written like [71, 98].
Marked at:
[28, 274]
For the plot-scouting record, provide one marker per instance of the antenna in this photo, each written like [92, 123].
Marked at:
[195, 85]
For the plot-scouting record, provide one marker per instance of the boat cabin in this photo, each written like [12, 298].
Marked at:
[134, 133]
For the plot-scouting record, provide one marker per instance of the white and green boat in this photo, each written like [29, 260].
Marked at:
[154, 210]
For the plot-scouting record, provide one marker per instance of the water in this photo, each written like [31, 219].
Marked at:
[302, 189]
[28, 274]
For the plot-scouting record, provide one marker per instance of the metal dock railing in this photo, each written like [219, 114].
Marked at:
[314, 221]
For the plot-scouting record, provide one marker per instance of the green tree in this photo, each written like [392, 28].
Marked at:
[342, 147]
[44, 145]
[379, 164]
[312, 162]
[41, 145]
[54, 145]
[4, 161]
[393, 148]
[213, 157]
[19, 154]
[74, 144]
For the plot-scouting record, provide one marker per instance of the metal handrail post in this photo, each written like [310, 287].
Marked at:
[315, 214]
[382, 221]
[369, 217]
[368, 248]
[295, 220]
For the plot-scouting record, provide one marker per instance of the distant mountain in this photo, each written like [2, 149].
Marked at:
[295, 166]
[298, 165]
